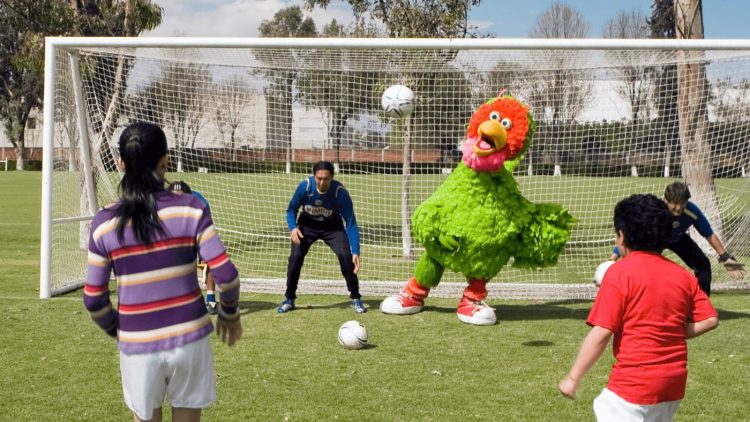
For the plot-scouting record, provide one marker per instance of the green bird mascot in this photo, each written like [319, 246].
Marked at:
[477, 218]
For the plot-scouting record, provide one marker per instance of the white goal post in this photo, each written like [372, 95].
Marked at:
[247, 117]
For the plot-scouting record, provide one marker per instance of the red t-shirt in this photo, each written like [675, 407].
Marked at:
[645, 300]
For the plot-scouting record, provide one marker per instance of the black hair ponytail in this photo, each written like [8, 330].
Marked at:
[142, 146]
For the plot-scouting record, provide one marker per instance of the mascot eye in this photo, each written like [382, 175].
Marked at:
[507, 124]
[495, 115]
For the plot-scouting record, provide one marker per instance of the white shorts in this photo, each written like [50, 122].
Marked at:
[608, 406]
[185, 375]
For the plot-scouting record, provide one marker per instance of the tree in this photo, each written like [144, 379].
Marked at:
[282, 74]
[23, 26]
[731, 103]
[177, 100]
[636, 82]
[558, 95]
[635, 85]
[662, 26]
[232, 110]
[124, 18]
[413, 18]
[693, 98]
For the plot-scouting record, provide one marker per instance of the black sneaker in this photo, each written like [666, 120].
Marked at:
[212, 308]
[285, 306]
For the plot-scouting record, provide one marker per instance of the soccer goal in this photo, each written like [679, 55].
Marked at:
[247, 118]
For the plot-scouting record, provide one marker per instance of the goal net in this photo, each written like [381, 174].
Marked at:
[247, 118]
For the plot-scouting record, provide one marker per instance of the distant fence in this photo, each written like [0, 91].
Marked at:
[648, 164]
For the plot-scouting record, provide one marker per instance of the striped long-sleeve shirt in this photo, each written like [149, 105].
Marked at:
[160, 305]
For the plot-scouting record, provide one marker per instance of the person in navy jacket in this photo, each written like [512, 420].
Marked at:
[321, 208]
[686, 214]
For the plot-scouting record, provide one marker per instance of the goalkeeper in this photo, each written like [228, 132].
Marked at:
[684, 215]
[326, 213]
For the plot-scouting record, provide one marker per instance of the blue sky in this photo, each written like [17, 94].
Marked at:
[504, 18]
[721, 18]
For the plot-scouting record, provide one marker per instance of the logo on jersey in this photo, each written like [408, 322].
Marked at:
[318, 211]
[318, 202]
[676, 224]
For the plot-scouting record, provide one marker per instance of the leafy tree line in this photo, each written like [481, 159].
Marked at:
[339, 89]
[23, 26]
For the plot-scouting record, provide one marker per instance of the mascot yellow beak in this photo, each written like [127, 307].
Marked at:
[491, 137]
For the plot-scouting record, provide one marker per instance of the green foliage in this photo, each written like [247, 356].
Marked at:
[281, 71]
[23, 26]
[662, 20]
[288, 22]
[435, 95]
[414, 19]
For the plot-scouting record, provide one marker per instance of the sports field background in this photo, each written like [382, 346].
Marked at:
[249, 210]
[57, 365]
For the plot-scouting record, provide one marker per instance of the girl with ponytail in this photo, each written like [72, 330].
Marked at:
[143, 157]
[150, 239]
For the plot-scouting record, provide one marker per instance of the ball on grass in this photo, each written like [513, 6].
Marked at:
[353, 335]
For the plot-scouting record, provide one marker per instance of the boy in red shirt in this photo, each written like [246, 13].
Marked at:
[651, 305]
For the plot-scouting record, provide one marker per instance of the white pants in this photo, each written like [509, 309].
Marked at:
[608, 406]
[184, 375]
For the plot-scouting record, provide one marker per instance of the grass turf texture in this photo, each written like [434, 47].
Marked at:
[57, 365]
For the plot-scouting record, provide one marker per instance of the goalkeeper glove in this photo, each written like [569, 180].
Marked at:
[735, 269]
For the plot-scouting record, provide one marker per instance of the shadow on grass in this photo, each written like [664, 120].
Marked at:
[505, 312]
[531, 312]
[727, 315]
[249, 307]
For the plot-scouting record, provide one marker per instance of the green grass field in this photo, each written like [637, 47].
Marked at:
[57, 365]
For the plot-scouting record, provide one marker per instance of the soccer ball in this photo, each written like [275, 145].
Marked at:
[353, 335]
[600, 271]
[398, 101]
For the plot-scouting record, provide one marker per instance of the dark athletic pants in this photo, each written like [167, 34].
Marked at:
[335, 237]
[692, 255]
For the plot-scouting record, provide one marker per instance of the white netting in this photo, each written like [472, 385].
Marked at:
[246, 124]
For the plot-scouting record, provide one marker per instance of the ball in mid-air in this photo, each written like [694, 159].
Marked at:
[600, 271]
[398, 101]
[353, 335]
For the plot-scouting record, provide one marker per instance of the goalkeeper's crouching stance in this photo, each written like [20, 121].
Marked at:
[321, 209]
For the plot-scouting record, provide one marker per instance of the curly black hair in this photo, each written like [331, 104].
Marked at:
[645, 222]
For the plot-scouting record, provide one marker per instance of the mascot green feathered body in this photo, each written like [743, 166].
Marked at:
[477, 218]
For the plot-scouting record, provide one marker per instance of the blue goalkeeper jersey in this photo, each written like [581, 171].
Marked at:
[330, 208]
[691, 216]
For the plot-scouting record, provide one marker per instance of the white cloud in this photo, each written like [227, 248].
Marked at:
[481, 25]
[237, 18]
